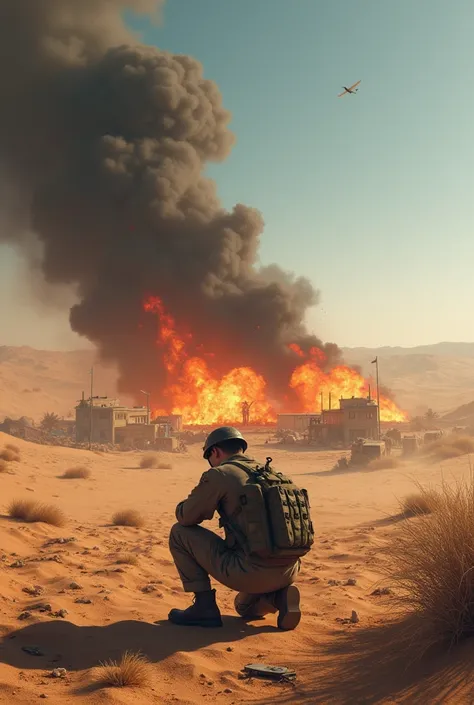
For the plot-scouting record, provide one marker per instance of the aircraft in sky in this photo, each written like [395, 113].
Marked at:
[353, 89]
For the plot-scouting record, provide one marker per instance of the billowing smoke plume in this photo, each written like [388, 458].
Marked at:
[104, 143]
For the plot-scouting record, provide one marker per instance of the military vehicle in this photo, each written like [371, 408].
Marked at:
[409, 445]
[363, 451]
[432, 436]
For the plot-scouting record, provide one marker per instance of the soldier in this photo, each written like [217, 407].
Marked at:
[264, 584]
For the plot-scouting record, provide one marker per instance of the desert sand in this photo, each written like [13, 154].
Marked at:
[336, 662]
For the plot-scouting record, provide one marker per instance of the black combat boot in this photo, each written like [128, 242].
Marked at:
[204, 612]
[287, 601]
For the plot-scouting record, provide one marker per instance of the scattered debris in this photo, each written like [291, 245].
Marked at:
[353, 619]
[41, 607]
[58, 673]
[261, 670]
[149, 588]
[33, 590]
[32, 650]
[61, 614]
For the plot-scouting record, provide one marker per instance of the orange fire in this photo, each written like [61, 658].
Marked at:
[196, 393]
[314, 386]
[203, 397]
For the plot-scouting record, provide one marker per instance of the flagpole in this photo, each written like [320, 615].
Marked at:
[376, 362]
[90, 409]
[378, 394]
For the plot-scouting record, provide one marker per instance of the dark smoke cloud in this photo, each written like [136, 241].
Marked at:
[104, 142]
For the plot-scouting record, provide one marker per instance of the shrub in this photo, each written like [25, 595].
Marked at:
[9, 455]
[431, 563]
[423, 502]
[128, 517]
[13, 447]
[132, 670]
[32, 512]
[127, 559]
[149, 460]
[79, 473]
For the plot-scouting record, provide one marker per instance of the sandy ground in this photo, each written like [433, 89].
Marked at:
[335, 662]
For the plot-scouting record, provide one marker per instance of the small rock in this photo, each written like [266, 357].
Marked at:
[24, 615]
[229, 649]
[149, 588]
[354, 617]
[33, 590]
[351, 581]
[60, 613]
[17, 564]
[382, 591]
[58, 673]
[228, 691]
[83, 601]
[43, 696]
[333, 583]
[209, 682]
[75, 586]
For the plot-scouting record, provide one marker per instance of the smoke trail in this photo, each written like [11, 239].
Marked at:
[105, 141]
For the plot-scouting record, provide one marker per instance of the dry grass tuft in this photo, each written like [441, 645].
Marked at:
[423, 502]
[133, 670]
[383, 463]
[451, 446]
[13, 447]
[32, 512]
[128, 517]
[79, 473]
[431, 563]
[127, 559]
[149, 460]
[9, 455]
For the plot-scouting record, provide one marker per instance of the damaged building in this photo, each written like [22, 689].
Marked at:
[355, 418]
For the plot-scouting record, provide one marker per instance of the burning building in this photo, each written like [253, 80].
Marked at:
[108, 196]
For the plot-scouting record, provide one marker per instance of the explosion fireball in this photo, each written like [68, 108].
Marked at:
[203, 397]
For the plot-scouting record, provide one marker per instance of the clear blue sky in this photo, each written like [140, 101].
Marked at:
[370, 196]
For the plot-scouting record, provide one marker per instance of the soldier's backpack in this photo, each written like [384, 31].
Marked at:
[275, 512]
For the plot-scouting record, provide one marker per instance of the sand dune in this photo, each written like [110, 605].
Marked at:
[113, 606]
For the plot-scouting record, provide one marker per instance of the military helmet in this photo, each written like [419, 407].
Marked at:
[223, 433]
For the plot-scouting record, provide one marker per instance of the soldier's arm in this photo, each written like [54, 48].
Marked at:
[203, 500]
